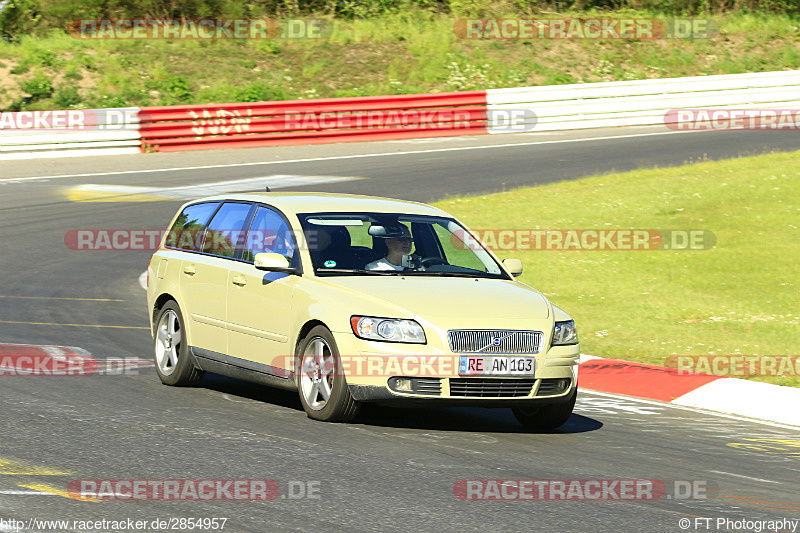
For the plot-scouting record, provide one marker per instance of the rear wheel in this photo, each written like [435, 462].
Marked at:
[321, 381]
[171, 349]
[548, 416]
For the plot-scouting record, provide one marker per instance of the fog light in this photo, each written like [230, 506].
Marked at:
[563, 384]
[403, 384]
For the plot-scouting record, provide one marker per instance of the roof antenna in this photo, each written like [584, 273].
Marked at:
[267, 188]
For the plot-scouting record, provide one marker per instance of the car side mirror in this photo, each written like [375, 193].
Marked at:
[272, 262]
[514, 266]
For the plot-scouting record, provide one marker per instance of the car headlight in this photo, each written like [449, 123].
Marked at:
[565, 333]
[387, 329]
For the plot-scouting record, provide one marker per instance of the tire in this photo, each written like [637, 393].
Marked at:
[320, 380]
[171, 349]
[548, 416]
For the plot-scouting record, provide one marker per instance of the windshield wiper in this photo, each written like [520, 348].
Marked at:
[360, 272]
[437, 273]
[445, 274]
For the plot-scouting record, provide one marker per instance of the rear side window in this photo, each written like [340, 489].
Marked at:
[186, 232]
[226, 230]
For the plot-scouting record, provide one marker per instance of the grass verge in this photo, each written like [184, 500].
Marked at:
[414, 51]
[739, 297]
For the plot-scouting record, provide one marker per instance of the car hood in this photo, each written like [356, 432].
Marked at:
[442, 297]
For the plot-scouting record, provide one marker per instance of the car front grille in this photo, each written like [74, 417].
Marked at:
[494, 341]
[491, 388]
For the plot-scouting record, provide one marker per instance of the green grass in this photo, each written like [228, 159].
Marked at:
[739, 297]
[397, 53]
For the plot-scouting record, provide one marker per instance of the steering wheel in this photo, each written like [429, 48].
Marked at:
[430, 261]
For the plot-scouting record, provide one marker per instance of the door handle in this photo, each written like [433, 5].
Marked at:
[190, 270]
[239, 280]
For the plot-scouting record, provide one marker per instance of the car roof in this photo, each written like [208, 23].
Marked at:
[300, 202]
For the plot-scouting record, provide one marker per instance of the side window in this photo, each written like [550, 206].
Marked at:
[185, 232]
[226, 229]
[268, 233]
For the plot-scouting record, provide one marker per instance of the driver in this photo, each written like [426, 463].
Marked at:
[397, 248]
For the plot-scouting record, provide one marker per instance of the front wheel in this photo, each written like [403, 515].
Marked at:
[321, 381]
[548, 416]
[171, 349]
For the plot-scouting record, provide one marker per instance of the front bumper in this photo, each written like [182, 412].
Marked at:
[383, 394]
[431, 376]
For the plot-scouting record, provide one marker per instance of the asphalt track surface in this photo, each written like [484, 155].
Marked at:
[390, 470]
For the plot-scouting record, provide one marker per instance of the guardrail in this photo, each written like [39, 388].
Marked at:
[166, 129]
[32, 134]
[26, 135]
[642, 102]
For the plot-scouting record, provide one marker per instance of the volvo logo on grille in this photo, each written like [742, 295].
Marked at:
[495, 341]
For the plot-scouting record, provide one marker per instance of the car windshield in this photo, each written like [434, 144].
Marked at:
[392, 244]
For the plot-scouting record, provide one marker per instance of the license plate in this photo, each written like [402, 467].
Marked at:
[490, 365]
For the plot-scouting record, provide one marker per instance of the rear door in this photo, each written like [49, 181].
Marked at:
[204, 279]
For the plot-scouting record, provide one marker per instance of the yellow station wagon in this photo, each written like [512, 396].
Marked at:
[350, 299]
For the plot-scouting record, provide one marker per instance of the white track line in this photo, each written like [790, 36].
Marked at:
[691, 409]
[357, 156]
[26, 493]
[746, 477]
[189, 192]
